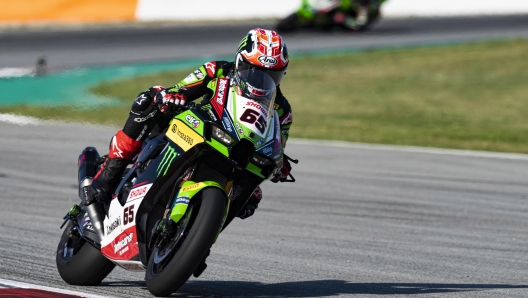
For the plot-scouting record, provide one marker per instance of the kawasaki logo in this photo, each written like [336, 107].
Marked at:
[113, 225]
[123, 242]
[169, 156]
[268, 60]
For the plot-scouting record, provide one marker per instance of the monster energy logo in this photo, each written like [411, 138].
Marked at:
[243, 43]
[169, 156]
[206, 107]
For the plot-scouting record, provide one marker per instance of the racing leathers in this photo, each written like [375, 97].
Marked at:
[148, 111]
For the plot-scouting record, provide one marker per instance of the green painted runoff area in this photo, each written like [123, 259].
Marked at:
[467, 96]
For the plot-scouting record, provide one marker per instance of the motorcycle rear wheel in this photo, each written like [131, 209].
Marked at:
[79, 263]
[164, 279]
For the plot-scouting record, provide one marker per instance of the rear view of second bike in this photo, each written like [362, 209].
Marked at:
[354, 15]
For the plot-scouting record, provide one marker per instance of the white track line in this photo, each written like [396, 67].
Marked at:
[20, 120]
[413, 149]
[4, 283]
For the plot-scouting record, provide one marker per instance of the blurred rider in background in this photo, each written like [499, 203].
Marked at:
[347, 16]
[157, 105]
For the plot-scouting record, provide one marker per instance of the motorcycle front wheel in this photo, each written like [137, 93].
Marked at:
[171, 263]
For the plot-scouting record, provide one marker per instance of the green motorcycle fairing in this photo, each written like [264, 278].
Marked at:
[221, 123]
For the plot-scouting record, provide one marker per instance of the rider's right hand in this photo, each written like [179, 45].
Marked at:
[169, 102]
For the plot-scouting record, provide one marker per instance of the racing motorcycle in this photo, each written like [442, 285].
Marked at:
[327, 14]
[179, 192]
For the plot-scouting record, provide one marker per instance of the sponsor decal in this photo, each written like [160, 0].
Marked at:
[199, 75]
[183, 200]
[184, 136]
[189, 79]
[140, 99]
[116, 223]
[169, 156]
[211, 114]
[87, 223]
[122, 245]
[138, 192]
[211, 68]
[287, 119]
[268, 60]
[239, 129]
[220, 92]
[227, 124]
[115, 148]
[258, 107]
[195, 123]
[260, 142]
[242, 44]
[267, 150]
[285, 131]
[219, 98]
[143, 119]
[192, 187]
[206, 107]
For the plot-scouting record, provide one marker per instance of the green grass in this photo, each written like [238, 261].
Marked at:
[471, 96]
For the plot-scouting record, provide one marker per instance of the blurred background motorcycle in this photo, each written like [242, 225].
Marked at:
[355, 15]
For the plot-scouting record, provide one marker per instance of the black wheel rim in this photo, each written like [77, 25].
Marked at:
[68, 247]
[163, 254]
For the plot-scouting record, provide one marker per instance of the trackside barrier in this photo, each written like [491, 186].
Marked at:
[66, 11]
[79, 11]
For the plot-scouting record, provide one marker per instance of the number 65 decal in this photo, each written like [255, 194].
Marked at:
[253, 117]
[128, 215]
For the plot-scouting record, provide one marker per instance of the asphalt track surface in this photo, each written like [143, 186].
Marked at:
[360, 220]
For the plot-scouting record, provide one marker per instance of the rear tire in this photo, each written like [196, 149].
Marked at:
[194, 248]
[79, 263]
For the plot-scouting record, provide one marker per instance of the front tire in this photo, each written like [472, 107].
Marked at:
[79, 263]
[163, 280]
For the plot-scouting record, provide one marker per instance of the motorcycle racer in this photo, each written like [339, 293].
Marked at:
[259, 49]
[351, 17]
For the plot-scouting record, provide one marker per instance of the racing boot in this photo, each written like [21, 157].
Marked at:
[252, 204]
[122, 150]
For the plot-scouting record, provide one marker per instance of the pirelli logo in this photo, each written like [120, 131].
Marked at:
[183, 135]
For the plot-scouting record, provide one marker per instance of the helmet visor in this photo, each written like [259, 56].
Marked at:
[257, 85]
[276, 75]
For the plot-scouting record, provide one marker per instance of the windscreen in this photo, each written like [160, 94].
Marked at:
[257, 85]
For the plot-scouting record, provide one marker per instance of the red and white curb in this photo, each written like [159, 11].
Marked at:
[10, 288]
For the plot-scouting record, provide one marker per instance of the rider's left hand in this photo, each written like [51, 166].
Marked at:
[283, 174]
[252, 204]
